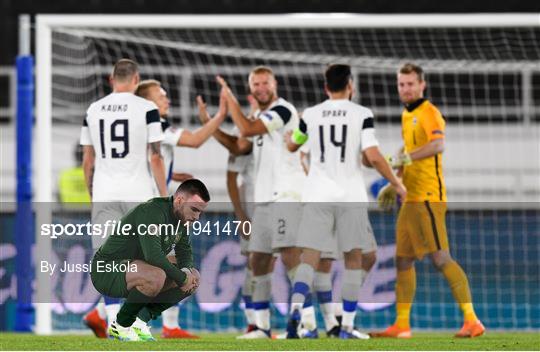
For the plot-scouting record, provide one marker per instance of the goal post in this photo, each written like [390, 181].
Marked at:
[187, 49]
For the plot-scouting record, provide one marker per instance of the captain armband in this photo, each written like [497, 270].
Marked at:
[299, 137]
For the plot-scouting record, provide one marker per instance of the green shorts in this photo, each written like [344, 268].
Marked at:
[109, 277]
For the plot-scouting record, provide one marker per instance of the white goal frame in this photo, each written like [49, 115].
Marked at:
[45, 24]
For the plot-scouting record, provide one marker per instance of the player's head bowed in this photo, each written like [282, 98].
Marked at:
[190, 200]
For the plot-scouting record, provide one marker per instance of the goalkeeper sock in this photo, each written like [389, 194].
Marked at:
[457, 280]
[170, 317]
[323, 286]
[135, 301]
[405, 290]
[162, 302]
[261, 300]
[302, 286]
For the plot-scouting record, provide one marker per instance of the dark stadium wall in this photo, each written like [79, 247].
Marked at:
[10, 9]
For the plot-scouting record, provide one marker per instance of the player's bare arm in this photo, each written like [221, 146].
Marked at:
[234, 194]
[247, 127]
[88, 164]
[428, 150]
[234, 144]
[197, 138]
[291, 145]
[158, 168]
[377, 160]
[304, 161]
[181, 176]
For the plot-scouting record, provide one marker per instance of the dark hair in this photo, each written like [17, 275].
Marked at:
[125, 69]
[337, 76]
[194, 187]
[409, 67]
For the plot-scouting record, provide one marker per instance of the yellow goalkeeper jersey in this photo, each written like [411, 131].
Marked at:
[421, 122]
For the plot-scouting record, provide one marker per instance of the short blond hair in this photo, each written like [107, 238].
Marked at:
[261, 69]
[144, 87]
[409, 67]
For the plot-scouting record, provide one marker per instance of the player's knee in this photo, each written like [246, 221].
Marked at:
[440, 259]
[403, 264]
[368, 260]
[291, 257]
[325, 265]
[260, 261]
[156, 282]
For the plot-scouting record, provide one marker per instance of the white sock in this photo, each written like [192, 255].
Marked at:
[352, 281]
[261, 295]
[321, 284]
[111, 311]
[304, 274]
[170, 317]
[100, 307]
[338, 309]
[262, 319]
[329, 317]
[250, 316]
[308, 318]
[291, 273]
[348, 321]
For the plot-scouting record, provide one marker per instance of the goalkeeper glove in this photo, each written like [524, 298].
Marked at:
[387, 197]
[397, 161]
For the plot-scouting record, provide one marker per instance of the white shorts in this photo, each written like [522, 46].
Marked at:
[274, 226]
[338, 227]
[108, 211]
[285, 221]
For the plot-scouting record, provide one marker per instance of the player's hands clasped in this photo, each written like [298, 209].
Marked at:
[192, 280]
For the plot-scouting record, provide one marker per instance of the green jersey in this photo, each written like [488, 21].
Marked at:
[149, 232]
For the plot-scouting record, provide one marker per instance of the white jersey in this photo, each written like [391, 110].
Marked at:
[119, 127]
[171, 136]
[243, 165]
[338, 131]
[278, 172]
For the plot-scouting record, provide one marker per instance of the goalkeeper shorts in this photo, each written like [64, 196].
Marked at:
[421, 229]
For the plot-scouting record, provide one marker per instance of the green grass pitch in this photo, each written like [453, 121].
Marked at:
[420, 341]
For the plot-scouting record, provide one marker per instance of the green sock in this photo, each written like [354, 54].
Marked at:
[134, 303]
[160, 303]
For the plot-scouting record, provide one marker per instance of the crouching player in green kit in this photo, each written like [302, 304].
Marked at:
[133, 262]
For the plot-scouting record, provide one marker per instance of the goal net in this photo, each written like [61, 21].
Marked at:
[482, 72]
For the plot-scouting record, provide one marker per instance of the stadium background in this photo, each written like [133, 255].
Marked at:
[511, 246]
